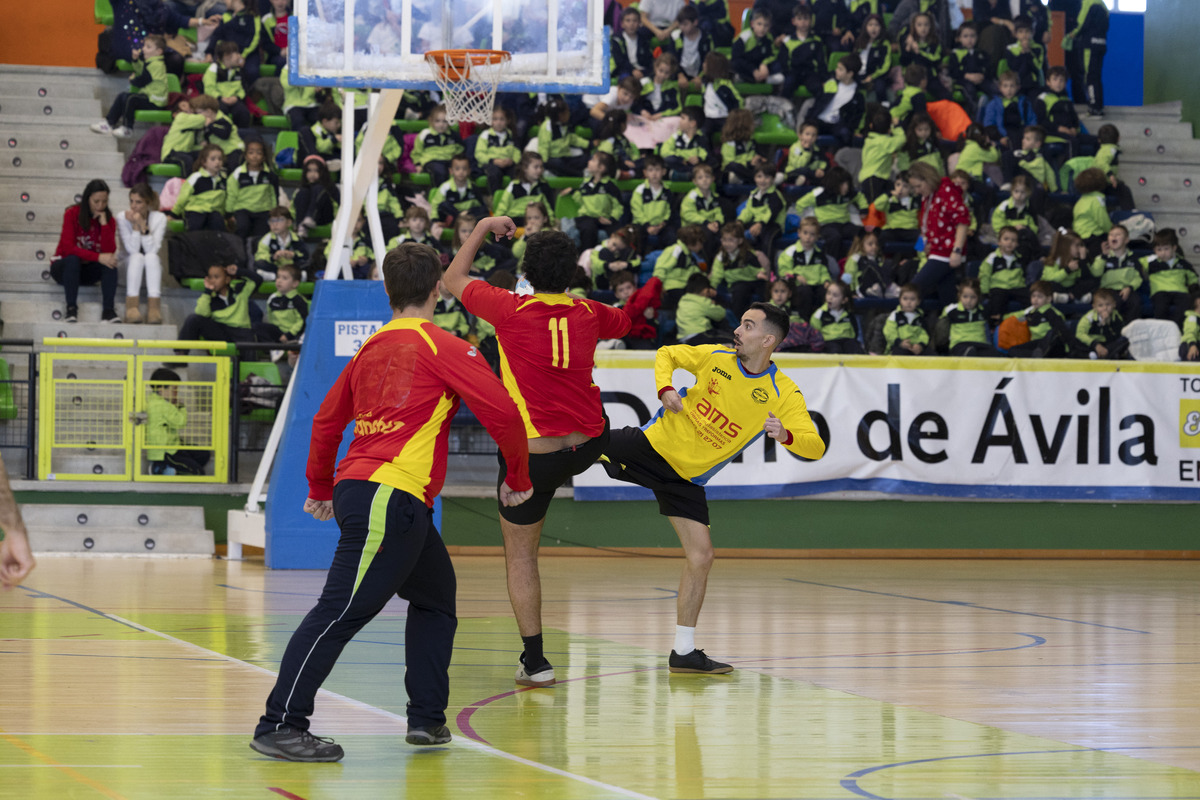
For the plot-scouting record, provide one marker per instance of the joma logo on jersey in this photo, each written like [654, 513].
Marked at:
[717, 418]
[365, 426]
[723, 373]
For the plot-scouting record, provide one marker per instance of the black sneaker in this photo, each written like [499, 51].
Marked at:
[696, 661]
[537, 676]
[72, 314]
[427, 735]
[109, 315]
[296, 745]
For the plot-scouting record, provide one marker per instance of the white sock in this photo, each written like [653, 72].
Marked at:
[685, 640]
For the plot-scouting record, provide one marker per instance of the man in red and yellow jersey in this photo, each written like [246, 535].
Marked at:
[401, 390]
[547, 344]
[739, 395]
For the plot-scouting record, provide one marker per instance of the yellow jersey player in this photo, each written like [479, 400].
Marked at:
[739, 395]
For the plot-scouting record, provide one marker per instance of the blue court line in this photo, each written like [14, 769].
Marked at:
[669, 594]
[40, 595]
[122, 657]
[850, 782]
[964, 604]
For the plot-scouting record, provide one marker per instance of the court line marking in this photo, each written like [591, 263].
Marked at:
[670, 594]
[72, 766]
[66, 769]
[964, 604]
[469, 743]
[850, 782]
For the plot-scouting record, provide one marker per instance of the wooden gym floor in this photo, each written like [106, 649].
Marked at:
[856, 679]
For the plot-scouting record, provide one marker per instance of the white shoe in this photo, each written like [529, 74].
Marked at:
[543, 677]
[1006, 187]
[122, 132]
[1087, 298]
[1060, 298]
[101, 127]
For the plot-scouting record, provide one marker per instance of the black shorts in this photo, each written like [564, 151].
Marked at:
[632, 458]
[547, 472]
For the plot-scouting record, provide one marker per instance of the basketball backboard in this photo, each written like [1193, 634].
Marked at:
[556, 45]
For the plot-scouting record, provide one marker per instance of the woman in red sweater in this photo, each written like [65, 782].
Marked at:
[945, 220]
[87, 251]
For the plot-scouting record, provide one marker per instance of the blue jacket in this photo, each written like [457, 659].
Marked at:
[994, 115]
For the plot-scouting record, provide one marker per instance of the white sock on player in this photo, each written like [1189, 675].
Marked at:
[685, 640]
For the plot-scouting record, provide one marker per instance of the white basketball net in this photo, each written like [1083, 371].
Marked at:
[469, 91]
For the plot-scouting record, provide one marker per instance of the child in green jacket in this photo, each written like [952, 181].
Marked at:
[166, 417]
[904, 332]
[148, 89]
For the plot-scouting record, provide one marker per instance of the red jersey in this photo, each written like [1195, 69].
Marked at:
[547, 348]
[401, 389]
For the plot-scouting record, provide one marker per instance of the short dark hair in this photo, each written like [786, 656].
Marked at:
[280, 211]
[1104, 294]
[164, 374]
[550, 261]
[624, 276]
[693, 113]
[410, 274]
[459, 157]
[1023, 24]
[1090, 180]
[654, 160]
[851, 62]
[688, 14]
[607, 162]
[1057, 72]
[628, 11]
[328, 110]
[776, 320]
[290, 269]
[697, 282]
[224, 49]
[914, 74]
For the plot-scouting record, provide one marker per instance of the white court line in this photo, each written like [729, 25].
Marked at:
[461, 741]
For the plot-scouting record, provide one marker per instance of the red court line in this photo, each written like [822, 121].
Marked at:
[284, 793]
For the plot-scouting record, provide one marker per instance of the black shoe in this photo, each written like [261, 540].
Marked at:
[536, 676]
[109, 315]
[72, 314]
[428, 735]
[696, 661]
[291, 744]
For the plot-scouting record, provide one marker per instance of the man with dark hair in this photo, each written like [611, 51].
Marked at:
[546, 344]
[401, 389]
[738, 396]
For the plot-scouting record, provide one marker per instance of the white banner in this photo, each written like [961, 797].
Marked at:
[986, 428]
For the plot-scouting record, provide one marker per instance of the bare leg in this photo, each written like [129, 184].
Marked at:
[524, 581]
[698, 550]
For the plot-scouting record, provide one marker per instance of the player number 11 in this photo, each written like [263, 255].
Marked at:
[559, 327]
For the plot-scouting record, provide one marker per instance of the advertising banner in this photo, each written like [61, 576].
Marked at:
[982, 428]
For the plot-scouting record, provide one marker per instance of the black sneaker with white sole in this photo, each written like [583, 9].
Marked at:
[697, 662]
[291, 744]
[437, 734]
[72, 314]
[537, 676]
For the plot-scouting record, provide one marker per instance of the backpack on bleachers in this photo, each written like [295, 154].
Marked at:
[190, 254]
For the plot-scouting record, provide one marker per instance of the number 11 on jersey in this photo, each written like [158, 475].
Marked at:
[559, 327]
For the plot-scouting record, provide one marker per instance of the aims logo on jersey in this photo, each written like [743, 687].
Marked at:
[718, 419]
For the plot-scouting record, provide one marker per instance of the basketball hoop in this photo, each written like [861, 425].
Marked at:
[467, 80]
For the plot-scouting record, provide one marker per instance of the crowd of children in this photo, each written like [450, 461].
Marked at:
[693, 229]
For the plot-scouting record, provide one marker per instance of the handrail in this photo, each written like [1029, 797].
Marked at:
[143, 344]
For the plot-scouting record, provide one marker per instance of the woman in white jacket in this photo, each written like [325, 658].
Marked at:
[141, 231]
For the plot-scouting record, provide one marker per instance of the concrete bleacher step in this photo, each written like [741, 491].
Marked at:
[48, 88]
[26, 276]
[144, 530]
[60, 192]
[28, 311]
[20, 138]
[90, 330]
[31, 217]
[12, 106]
[58, 165]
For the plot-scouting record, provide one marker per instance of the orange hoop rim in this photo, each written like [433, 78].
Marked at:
[455, 65]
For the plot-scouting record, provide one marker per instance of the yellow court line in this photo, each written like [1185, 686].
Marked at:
[63, 768]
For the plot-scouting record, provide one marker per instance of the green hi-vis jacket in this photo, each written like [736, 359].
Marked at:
[621, 149]
[650, 206]
[1108, 157]
[164, 420]
[1009, 213]
[1034, 163]
[232, 308]
[696, 314]
[812, 265]
[698, 209]
[224, 134]
[1091, 216]
[1117, 271]
[878, 153]
[600, 198]
[901, 325]
[297, 96]
[388, 201]
[1039, 320]
[184, 135]
[831, 207]
[1191, 328]
[659, 98]
[201, 193]
[601, 257]
[516, 197]
[1058, 273]
[912, 98]
[765, 207]
[254, 192]
[965, 326]
[1091, 331]
[433, 146]
[999, 271]
[856, 265]
[740, 267]
[674, 266]
[927, 153]
[1176, 275]
[461, 197]
[683, 147]
[361, 247]
[1055, 111]
[804, 161]
[738, 152]
[391, 145]
[223, 82]
[326, 142]
[150, 78]
[449, 315]
[271, 244]
[834, 325]
[973, 158]
[903, 213]
[287, 312]
[556, 141]
[493, 144]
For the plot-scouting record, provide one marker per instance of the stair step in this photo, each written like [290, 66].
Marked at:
[61, 192]
[51, 90]
[16, 139]
[91, 330]
[31, 216]
[51, 109]
[145, 517]
[25, 274]
[57, 165]
[131, 541]
[17, 312]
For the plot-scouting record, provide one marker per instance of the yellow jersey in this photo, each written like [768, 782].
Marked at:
[724, 412]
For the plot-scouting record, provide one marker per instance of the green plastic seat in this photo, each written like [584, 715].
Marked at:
[263, 369]
[291, 175]
[153, 116]
[268, 70]
[694, 100]
[277, 121]
[177, 226]
[103, 11]
[8, 405]
[564, 183]
[566, 207]
[412, 125]
[195, 68]
[753, 88]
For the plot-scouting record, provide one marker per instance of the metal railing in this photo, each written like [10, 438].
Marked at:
[18, 398]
